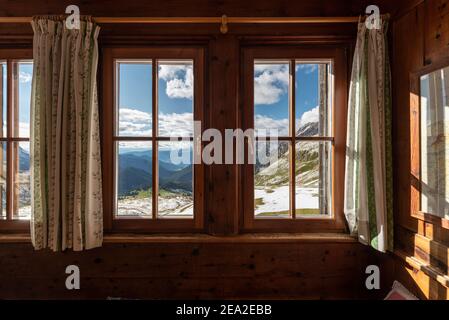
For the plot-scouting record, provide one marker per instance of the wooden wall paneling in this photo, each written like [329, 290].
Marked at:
[222, 180]
[436, 30]
[430, 252]
[404, 59]
[434, 232]
[181, 271]
[421, 244]
[419, 283]
[198, 8]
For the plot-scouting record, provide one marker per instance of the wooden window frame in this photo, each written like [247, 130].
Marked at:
[415, 147]
[11, 56]
[134, 224]
[338, 56]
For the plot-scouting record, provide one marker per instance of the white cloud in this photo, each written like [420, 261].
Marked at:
[181, 151]
[133, 122]
[270, 83]
[176, 124]
[310, 116]
[25, 77]
[135, 145]
[139, 123]
[307, 68]
[179, 79]
[268, 126]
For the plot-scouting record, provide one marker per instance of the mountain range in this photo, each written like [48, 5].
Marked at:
[135, 173]
[135, 167]
[276, 172]
[24, 158]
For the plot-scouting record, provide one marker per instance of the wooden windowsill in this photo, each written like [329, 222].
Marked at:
[429, 270]
[202, 238]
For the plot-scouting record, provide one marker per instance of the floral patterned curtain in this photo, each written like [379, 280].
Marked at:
[368, 181]
[65, 137]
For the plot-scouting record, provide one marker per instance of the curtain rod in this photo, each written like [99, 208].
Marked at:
[223, 20]
[203, 19]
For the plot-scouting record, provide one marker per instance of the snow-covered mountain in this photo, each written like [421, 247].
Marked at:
[308, 129]
[276, 173]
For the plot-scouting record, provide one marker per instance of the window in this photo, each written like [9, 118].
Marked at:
[429, 140]
[16, 71]
[298, 113]
[153, 99]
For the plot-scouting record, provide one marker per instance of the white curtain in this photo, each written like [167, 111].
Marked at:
[65, 137]
[368, 182]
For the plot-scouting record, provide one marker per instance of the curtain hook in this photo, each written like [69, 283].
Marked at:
[224, 24]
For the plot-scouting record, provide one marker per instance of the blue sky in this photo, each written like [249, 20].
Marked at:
[25, 77]
[174, 91]
[175, 94]
[271, 83]
[136, 86]
[175, 99]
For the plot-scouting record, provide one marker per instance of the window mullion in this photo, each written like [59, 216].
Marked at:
[155, 187]
[9, 175]
[293, 141]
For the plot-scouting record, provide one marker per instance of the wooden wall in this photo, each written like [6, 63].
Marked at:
[180, 270]
[198, 8]
[219, 266]
[420, 39]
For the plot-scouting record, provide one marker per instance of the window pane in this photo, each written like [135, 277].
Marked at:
[175, 98]
[175, 180]
[134, 98]
[22, 186]
[271, 98]
[22, 83]
[3, 175]
[435, 143]
[3, 98]
[313, 112]
[271, 180]
[134, 178]
[313, 178]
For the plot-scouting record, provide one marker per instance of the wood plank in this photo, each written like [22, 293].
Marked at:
[436, 30]
[202, 238]
[191, 271]
[407, 54]
[199, 8]
[427, 250]
[202, 20]
[434, 232]
[426, 241]
[423, 280]
[222, 179]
